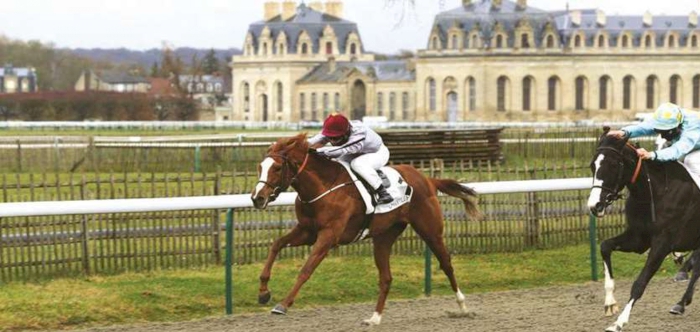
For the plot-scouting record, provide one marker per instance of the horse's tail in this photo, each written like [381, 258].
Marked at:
[455, 189]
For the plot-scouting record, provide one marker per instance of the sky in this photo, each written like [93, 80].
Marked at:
[146, 24]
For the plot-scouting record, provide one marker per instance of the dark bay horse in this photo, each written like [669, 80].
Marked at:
[662, 212]
[328, 218]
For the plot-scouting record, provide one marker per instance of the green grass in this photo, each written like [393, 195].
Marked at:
[190, 294]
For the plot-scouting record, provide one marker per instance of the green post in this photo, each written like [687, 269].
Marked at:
[428, 271]
[229, 256]
[594, 248]
[197, 159]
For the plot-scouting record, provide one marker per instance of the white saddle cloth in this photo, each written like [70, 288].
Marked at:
[399, 190]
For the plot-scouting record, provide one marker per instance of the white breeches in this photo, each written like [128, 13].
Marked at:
[366, 165]
[692, 161]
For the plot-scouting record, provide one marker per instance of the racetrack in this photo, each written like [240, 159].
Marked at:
[577, 308]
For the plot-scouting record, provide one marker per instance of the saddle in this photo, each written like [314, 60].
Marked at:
[394, 183]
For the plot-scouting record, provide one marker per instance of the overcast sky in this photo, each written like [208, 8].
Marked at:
[145, 24]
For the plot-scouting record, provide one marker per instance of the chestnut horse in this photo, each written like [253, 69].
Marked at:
[331, 212]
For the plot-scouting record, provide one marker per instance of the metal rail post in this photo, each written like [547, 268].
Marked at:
[229, 259]
[593, 239]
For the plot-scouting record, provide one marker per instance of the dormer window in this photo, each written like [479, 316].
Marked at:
[524, 41]
[601, 41]
[625, 41]
[264, 49]
[499, 41]
[455, 45]
[304, 48]
[577, 41]
[694, 41]
[647, 41]
[550, 41]
[353, 49]
[435, 43]
[329, 48]
[671, 41]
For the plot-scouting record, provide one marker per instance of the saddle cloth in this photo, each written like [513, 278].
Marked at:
[399, 190]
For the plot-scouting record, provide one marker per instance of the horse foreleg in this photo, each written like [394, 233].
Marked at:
[687, 298]
[296, 237]
[324, 242]
[625, 242]
[382, 252]
[654, 261]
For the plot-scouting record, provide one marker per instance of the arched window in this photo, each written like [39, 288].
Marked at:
[380, 104]
[471, 83]
[604, 89]
[524, 41]
[527, 93]
[353, 49]
[304, 48]
[580, 93]
[499, 41]
[502, 93]
[280, 97]
[651, 92]
[392, 106]
[696, 91]
[302, 105]
[329, 48]
[674, 84]
[601, 41]
[647, 41]
[550, 41]
[246, 97]
[627, 84]
[577, 41]
[455, 45]
[336, 102]
[432, 97]
[552, 91]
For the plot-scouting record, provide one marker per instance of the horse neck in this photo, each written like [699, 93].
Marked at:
[647, 178]
[319, 175]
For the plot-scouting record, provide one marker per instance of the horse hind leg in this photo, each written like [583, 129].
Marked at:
[382, 252]
[682, 274]
[687, 298]
[296, 237]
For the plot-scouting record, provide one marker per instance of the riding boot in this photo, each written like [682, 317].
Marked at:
[383, 197]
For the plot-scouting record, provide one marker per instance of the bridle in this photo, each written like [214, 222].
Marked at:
[613, 194]
[286, 168]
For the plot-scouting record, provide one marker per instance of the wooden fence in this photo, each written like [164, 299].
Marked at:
[449, 145]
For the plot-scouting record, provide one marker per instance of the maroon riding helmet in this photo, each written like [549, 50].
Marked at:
[336, 128]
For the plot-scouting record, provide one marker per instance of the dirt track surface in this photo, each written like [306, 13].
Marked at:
[567, 309]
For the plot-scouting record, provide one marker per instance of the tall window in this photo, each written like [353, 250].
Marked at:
[627, 92]
[454, 42]
[304, 48]
[435, 43]
[501, 93]
[380, 103]
[329, 48]
[603, 97]
[625, 41]
[432, 95]
[647, 41]
[524, 41]
[392, 106]
[404, 106]
[651, 92]
[246, 97]
[336, 102]
[580, 93]
[280, 97]
[552, 93]
[314, 110]
[577, 41]
[326, 104]
[696, 91]
[499, 41]
[673, 91]
[601, 41]
[353, 49]
[550, 41]
[472, 93]
[671, 41]
[474, 43]
[302, 105]
[527, 93]
[694, 41]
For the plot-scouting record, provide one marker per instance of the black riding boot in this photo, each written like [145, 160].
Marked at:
[383, 197]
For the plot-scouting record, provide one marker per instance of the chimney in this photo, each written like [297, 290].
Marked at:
[317, 6]
[648, 19]
[522, 4]
[334, 8]
[331, 64]
[272, 9]
[575, 17]
[600, 18]
[466, 3]
[693, 19]
[288, 9]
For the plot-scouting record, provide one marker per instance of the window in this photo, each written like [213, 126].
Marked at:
[603, 97]
[651, 91]
[280, 49]
[524, 41]
[302, 105]
[527, 93]
[472, 93]
[246, 97]
[601, 41]
[499, 41]
[455, 45]
[550, 41]
[647, 41]
[694, 41]
[280, 97]
[671, 41]
[432, 95]
[627, 92]
[326, 104]
[329, 48]
[474, 41]
[392, 106]
[552, 93]
[314, 110]
[304, 48]
[580, 93]
[264, 49]
[336, 102]
[380, 104]
[673, 92]
[353, 49]
[625, 41]
[577, 41]
[501, 93]
[435, 43]
[404, 105]
[696, 91]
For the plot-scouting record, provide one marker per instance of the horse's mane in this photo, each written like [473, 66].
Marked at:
[286, 145]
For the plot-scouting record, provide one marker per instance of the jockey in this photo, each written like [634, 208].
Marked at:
[362, 147]
[680, 127]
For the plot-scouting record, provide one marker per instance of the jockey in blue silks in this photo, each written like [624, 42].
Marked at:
[680, 127]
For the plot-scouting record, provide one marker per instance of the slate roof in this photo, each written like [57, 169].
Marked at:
[19, 72]
[117, 77]
[392, 70]
[482, 14]
[305, 19]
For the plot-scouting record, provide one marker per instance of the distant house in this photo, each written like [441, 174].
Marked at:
[108, 80]
[17, 80]
[162, 87]
[209, 90]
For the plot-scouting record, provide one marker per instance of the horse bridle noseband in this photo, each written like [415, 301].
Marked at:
[286, 166]
[614, 194]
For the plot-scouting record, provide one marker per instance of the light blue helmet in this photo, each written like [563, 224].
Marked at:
[667, 116]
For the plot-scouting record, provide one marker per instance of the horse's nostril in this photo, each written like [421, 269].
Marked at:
[600, 206]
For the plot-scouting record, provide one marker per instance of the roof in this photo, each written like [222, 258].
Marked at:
[20, 72]
[201, 78]
[393, 70]
[309, 20]
[117, 77]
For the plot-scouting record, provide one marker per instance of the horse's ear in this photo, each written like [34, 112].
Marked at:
[606, 129]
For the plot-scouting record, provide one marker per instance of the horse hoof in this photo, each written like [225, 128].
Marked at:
[611, 310]
[681, 276]
[264, 298]
[613, 328]
[677, 309]
[279, 310]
